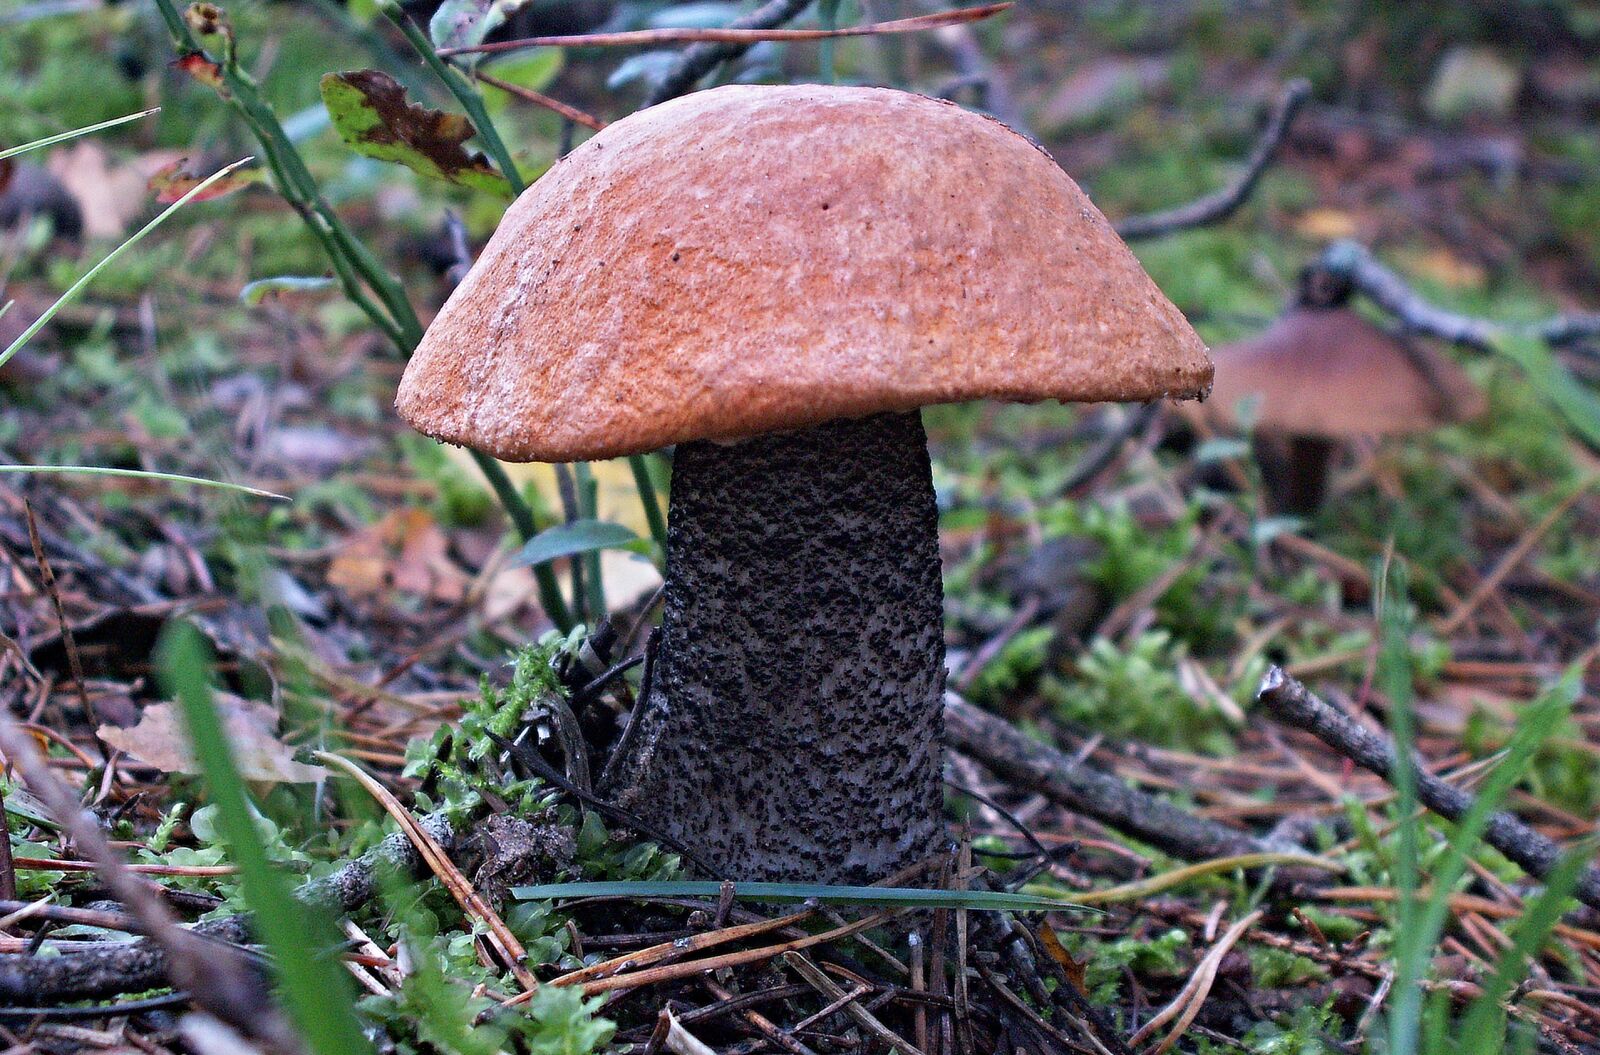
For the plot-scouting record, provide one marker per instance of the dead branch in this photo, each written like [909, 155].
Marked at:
[1292, 703]
[1348, 267]
[734, 34]
[700, 59]
[1011, 755]
[142, 965]
[215, 975]
[528, 95]
[1219, 205]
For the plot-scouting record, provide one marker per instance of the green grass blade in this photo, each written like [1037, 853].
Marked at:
[1483, 1028]
[1578, 404]
[827, 894]
[1537, 724]
[1419, 924]
[143, 474]
[1394, 676]
[63, 137]
[105, 261]
[648, 498]
[316, 990]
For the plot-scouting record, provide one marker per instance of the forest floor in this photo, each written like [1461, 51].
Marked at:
[1117, 585]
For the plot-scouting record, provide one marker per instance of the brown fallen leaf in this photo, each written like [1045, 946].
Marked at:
[160, 740]
[404, 551]
[110, 196]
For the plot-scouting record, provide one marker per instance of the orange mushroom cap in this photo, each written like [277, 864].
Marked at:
[758, 258]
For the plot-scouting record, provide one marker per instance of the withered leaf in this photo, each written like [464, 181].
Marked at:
[373, 116]
[161, 740]
[174, 180]
[202, 69]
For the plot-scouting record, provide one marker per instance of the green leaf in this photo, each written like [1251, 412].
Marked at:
[255, 292]
[571, 539]
[317, 992]
[825, 893]
[371, 113]
[1220, 448]
[1576, 403]
[464, 23]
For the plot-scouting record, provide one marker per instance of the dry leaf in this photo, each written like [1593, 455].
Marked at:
[1447, 269]
[109, 196]
[404, 551]
[177, 178]
[1326, 224]
[160, 740]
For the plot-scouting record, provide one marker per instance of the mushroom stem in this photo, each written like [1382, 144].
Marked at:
[1299, 484]
[794, 721]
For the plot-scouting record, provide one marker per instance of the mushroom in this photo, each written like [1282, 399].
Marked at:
[1322, 375]
[776, 280]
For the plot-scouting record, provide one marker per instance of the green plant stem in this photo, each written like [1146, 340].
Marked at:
[527, 527]
[143, 474]
[350, 259]
[828, 15]
[588, 501]
[49, 141]
[88, 276]
[1394, 676]
[472, 102]
[640, 464]
[465, 94]
[361, 275]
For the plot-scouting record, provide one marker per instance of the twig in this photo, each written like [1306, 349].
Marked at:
[1508, 563]
[863, 1018]
[658, 953]
[1015, 757]
[673, 971]
[1144, 888]
[1347, 267]
[779, 1035]
[1221, 204]
[69, 641]
[1458, 903]
[138, 966]
[700, 59]
[1186, 1005]
[215, 974]
[526, 756]
[571, 113]
[680, 1041]
[119, 1010]
[1292, 703]
[499, 936]
[734, 34]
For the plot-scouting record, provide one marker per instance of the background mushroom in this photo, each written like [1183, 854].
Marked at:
[1321, 376]
[775, 279]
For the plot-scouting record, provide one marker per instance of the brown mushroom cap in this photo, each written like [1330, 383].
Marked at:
[756, 258]
[1330, 373]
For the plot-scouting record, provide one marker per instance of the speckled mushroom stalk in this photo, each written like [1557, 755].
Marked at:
[797, 691]
[774, 280]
